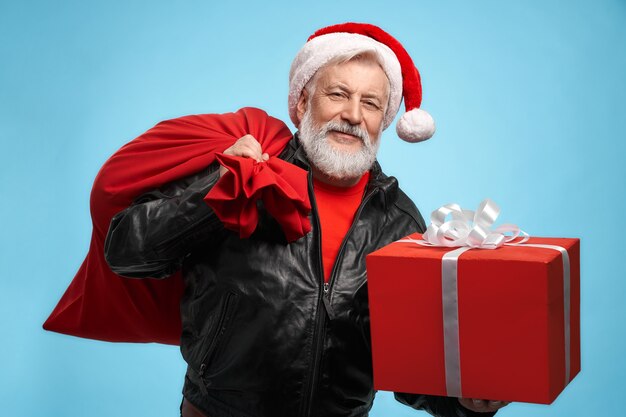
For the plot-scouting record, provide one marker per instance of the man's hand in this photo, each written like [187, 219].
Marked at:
[246, 146]
[482, 406]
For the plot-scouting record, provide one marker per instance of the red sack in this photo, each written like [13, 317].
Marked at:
[101, 305]
[281, 186]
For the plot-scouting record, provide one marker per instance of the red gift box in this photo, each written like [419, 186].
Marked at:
[497, 331]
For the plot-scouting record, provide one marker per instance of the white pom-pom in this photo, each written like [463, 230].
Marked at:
[415, 126]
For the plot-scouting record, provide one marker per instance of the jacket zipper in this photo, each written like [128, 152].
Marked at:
[366, 199]
[318, 337]
[220, 329]
[323, 306]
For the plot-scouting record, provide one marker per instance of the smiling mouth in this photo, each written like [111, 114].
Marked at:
[346, 138]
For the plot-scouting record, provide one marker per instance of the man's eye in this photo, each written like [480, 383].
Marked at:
[336, 95]
[372, 105]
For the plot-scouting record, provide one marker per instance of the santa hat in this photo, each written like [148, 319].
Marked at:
[354, 38]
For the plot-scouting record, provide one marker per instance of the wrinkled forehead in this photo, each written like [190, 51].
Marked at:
[362, 72]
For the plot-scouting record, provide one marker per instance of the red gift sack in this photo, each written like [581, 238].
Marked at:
[99, 304]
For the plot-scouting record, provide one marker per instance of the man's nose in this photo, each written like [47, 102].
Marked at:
[352, 112]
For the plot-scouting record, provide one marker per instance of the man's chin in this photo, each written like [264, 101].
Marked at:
[351, 176]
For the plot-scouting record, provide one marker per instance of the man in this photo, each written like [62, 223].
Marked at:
[282, 329]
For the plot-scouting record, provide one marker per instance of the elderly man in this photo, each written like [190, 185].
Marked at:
[282, 329]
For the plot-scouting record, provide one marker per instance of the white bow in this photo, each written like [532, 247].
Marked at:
[469, 228]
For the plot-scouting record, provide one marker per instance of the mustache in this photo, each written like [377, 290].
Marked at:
[348, 129]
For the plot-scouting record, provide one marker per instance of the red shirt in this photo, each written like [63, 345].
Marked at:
[336, 207]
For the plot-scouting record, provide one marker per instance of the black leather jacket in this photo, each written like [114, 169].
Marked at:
[262, 335]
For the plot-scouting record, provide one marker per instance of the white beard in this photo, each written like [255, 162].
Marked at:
[331, 161]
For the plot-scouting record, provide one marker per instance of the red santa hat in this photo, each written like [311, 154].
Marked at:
[348, 39]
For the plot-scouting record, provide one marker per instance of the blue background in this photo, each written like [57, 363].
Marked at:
[528, 98]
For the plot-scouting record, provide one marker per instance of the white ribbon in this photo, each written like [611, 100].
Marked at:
[469, 228]
[472, 230]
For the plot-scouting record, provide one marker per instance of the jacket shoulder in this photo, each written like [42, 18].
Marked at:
[405, 205]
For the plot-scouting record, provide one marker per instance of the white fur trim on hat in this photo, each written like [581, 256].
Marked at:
[322, 49]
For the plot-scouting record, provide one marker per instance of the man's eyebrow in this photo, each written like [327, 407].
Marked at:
[372, 95]
[346, 89]
[340, 86]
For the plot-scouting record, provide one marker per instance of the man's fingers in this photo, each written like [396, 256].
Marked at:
[251, 152]
[246, 146]
[251, 143]
[247, 152]
[476, 404]
[249, 147]
[245, 149]
[479, 404]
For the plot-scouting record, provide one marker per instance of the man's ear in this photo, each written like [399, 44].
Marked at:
[301, 106]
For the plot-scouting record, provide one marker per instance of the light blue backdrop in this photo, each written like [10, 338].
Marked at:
[528, 98]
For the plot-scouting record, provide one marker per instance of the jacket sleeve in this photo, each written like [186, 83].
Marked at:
[438, 406]
[406, 205]
[152, 236]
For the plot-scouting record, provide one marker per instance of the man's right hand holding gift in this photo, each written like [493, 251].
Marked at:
[444, 406]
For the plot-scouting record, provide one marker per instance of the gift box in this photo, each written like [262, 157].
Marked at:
[501, 324]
